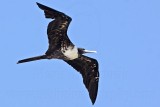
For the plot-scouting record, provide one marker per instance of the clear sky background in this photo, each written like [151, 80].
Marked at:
[125, 33]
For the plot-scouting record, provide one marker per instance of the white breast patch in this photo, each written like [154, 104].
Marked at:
[71, 53]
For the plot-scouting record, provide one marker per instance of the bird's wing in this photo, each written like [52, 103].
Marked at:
[88, 67]
[57, 29]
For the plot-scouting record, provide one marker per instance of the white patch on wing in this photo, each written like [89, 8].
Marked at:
[71, 53]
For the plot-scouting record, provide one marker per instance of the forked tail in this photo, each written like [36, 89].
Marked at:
[32, 59]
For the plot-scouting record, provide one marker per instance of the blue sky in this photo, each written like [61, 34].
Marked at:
[125, 33]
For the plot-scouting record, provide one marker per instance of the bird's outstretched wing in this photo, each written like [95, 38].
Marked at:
[57, 29]
[88, 67]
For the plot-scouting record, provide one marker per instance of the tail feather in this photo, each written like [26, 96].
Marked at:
[32, 59]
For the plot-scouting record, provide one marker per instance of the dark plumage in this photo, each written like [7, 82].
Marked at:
[60, 47]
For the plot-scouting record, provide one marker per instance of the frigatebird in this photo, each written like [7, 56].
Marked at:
[60, 47]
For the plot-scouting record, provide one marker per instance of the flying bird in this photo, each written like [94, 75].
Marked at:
[60, 47]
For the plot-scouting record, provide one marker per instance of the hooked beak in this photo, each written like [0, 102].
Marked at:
[88, 51]
[83, 51]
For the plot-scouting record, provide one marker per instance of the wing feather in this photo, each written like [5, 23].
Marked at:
[88, 67]
[57, 29]
[61, 21]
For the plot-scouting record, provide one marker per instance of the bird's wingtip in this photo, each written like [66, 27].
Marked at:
[93, 101]
[37, 3]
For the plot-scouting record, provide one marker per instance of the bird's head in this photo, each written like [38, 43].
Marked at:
[83, 51]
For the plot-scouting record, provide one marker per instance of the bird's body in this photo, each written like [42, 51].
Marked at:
[71, 52]
[60, 47]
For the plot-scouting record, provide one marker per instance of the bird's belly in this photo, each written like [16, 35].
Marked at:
[71, 53]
